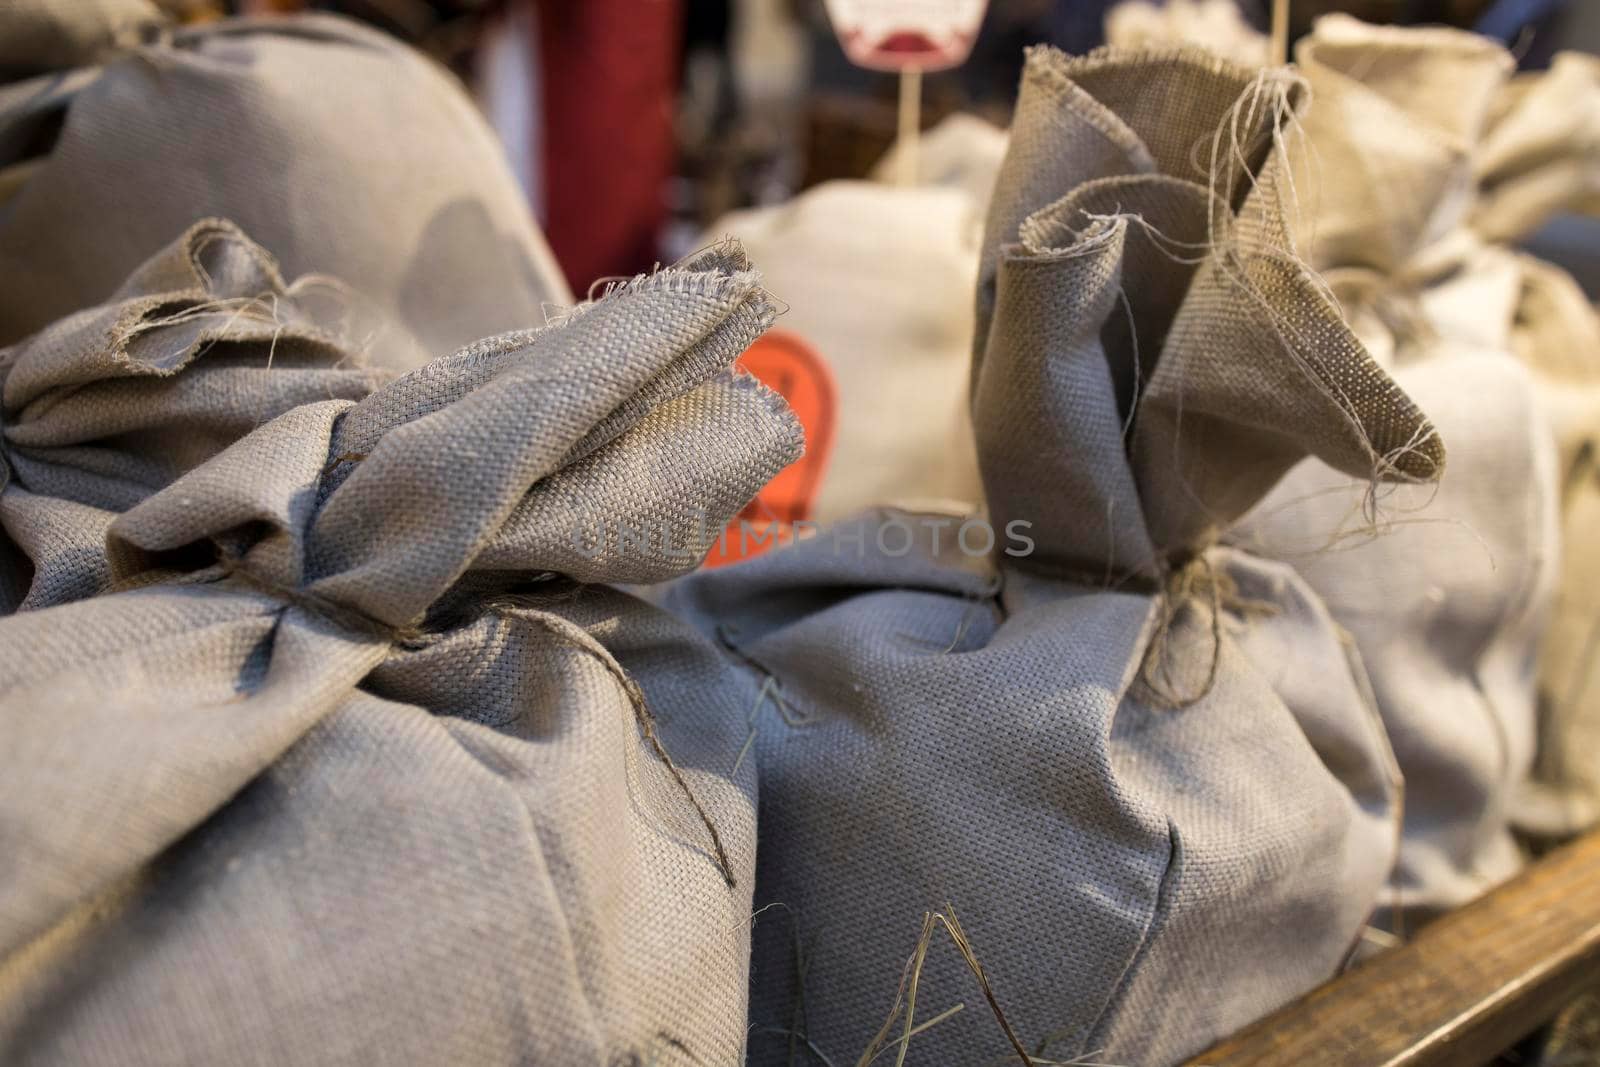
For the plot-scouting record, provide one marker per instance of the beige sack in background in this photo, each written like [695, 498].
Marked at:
[1215, 25]
[878, 278]
[1444, 589]
[1541, 151]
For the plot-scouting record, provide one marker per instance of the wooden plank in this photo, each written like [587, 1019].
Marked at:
[1468, 987]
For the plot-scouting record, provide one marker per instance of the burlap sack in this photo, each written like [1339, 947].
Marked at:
[878, 278]
[357, 770]
[1444, 588]
[1541, 151]
[1540, 156]
[1139, 767]
[333, 145]
[44, 35]
[199, 346]
[1557, 334]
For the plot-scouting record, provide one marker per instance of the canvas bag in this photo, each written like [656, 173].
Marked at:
[1445, 589]
[1139, 768]
[357, 767]
[877, 278]
[44, 35]
[401, 190]
[1541, 151]
[1540, 155]
[199, 346]
[1557, 335]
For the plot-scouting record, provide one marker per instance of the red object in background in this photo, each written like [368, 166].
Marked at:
[609, 84]
[792, 368]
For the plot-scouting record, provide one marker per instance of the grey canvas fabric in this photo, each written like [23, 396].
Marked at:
[1139, 767]
[199, 346]
[332, 144]
[1445, 589]
[354, 768]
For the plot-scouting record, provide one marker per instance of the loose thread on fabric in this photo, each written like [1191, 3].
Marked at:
[792, 716]
[647, 726]
[767, 685]
[343, 457]
[1174, 585]
[911, 977]
[1184, 584]
[967, 615]
[233, 567]
[976, 599]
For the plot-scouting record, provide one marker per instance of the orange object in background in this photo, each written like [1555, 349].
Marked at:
[794, 370]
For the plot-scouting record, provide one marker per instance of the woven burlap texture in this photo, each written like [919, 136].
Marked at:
[355, 768]
[199, 346]
[1136, 766]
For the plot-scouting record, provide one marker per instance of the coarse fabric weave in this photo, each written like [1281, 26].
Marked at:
[332, 144]
[1139, 768]
[1445, 589]
[198, 347]
[1539, 156]
[356, 768]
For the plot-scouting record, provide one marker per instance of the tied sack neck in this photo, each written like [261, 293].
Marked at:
[476, 467]
[1156, 355]
[541, 452]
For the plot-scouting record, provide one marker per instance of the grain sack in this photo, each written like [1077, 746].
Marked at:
[1444, 589]
[199, 346]
[1541, 151]
[1138, 767]
[333, 145]
[356, 768]
[1557, 335]
[1540, 156]
[878, 279]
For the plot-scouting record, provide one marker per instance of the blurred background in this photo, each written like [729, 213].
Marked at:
[634, 125]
